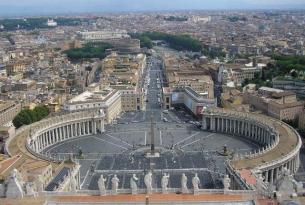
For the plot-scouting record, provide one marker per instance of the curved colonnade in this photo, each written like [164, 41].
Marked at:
[65, 127]
[280, 143]
[33, 139]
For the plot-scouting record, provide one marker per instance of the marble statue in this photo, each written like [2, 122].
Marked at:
[226, 182]
[133, 184]
[148, 182]
[101, 185]
[184, 184]
[30, 190]
[164, 183]
[260, 184]
[39, 184]
[115, 184]
[271, 189]
[73, 184]
[14, 187]
[286, 185]
[2, 190]
[196, 182]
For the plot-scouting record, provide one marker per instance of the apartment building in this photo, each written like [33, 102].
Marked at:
[14, 67]
[182, 73]
[132, 98]
[123, 69]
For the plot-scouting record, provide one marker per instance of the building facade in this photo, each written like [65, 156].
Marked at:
[109, 100]
[186, 96]
[277, 103]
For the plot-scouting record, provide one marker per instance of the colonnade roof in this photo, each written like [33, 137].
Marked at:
[17, 144]
[288, 141]
[288, 138]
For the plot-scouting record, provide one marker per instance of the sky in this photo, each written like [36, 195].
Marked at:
[21, 7]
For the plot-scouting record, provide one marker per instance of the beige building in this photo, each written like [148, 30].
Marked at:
[277, 103]
[122, 73]
[8, 110]
[132, 98]
[123, 69]
[202, 84]
[16, 67]
[233, 100]
[182, 73]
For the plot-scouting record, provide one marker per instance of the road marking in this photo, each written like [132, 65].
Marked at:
[126, 131]
[197, 140]
[84, 179]
[145, 139]
[187, 138]
[174, 117]
[119, 140]
[160, 137]
[110, 143]
[67, 141]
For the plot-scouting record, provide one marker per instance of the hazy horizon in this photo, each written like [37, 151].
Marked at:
[51, 7]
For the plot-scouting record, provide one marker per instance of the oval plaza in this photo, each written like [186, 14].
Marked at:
[272, 151]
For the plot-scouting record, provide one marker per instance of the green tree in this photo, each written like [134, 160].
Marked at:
[90, 50]
[178, 42]
[27, 116]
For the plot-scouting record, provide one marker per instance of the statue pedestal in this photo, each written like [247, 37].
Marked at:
[103, 193]
[184, 191]
[226, 191]
[149, 191]
[164, 191]
[196, 191]
[134, 192]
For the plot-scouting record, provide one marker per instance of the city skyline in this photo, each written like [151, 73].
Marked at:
[156, 102]
[46, 7]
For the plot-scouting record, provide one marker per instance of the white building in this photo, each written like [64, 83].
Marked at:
[51, 23]
[103, 35]
[108, 99]
[238, 73]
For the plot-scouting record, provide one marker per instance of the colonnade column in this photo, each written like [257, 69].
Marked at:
[204, 124]
[79, 129]
[271, 177]
[94, 127]
[267, 176]
[102, 126]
